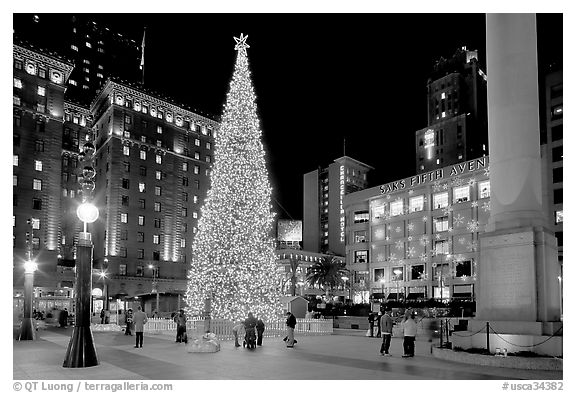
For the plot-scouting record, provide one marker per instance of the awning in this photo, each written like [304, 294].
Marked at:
[378, 296]
[416, 295]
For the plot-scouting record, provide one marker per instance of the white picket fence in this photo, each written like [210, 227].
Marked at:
[223, 328]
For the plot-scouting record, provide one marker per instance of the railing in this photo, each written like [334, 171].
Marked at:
[223, 328]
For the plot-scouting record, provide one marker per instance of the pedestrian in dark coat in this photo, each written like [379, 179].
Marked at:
[260, 331]
[63, 318]
[180, 320]
[371, 323]
[140, 319]
[129, 322]
[290, 324]
[378, 317]
[386, 325]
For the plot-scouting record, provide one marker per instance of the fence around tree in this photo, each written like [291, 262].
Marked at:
[223, 328]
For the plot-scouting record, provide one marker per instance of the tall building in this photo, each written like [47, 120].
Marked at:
[457, 128]
[96, 51]
[152, 164]
[553, 156]
[324, 190]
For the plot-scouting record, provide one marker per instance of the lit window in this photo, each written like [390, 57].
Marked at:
[443, 114]
[159, 143]
[157, 190]
[440, 224]
[99, 75]
[208, 145]
[416, 204]
[443, 96]
[17, 83]
[142, 187]
[484, 188]
[197, 142]
[158, 159]
[157, 207]
[197, 155]
[14, 180]
[37, 184]
[126, 134]
[361, 256]
[158, 175]
[441, 247]
[88, 45]
[38, 165]
[72, 194]
[124, 218]
[41, 108]
[122, 270]
[361, 216]
[15, 160]
[185, 166]
[72, 82]
[440, 200]
[35, 223]
[85, 87]
[142, 154]
[156, 239]
[196, 169]
[396, 207]
[360, 237]
[182, 243]
[195, 199]
[74, 47]
[194, 214]
[559, 216]
[141, 220]
[437, 161]
[208, 159]
[86, 69]
[378, 212]
[15, 100]
[126, 150]
[461, 194]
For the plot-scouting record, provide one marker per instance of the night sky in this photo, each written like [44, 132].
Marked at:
[319, 79]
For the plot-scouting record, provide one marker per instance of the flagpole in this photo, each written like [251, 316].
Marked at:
[142, 66]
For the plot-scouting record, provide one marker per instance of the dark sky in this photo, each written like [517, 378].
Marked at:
[319, 78]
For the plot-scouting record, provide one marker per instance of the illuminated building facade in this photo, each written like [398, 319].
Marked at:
[324, 190]
[418, 237]
[457, 119]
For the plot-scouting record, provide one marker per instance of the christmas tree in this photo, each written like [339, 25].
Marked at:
[233, 261]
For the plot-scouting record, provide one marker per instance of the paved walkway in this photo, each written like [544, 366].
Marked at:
[335, 357]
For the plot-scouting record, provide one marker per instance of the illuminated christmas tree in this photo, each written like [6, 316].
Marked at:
[233, 260]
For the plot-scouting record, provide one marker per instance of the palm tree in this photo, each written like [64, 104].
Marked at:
[327, 273]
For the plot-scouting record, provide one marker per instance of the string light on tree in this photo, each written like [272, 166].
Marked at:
[233, 260]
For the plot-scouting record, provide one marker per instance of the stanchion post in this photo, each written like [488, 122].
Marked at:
[441, 333]
[488, 336]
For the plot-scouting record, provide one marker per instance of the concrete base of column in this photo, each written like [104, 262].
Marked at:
[27, 330]
[81, 350]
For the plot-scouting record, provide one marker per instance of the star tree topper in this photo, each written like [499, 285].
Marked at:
[241, 44]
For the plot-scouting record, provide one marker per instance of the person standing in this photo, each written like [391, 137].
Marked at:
[386, 325]
[409, 326]
[291, 324]
[129, 321]
[180, 320]
[102, 314]
[378, 318]
[140, 320]
[260, 331]
[63, 318]
[236, 330]
[106, 316]
[371, 323]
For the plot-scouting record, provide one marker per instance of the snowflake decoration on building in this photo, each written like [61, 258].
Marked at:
[474, 204]
[398, 229]
[461, 240]
[386, 216]
[472, 181]
[437, 236]
[393, 257]
[379, 234]
[457, 181]
[450, 229]
[445, 186]
[458, 220]
[399, 244]
[472, 246]
[410, 192]
[410, 238]
[387, 238]
[459, 259]
[388, 196]
[425, 218]
[487, 172]
[411, 252]
[472, 226]
[381, 257]
[464, 277]
[447, 210]
[486, 206]
[423, 257]
[436, 186]
[410, 227]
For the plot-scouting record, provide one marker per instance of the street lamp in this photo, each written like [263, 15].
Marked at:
[103, 276]
[27, 331]
[345, 279]
[155, 285]
[81, 351]
[397, 272]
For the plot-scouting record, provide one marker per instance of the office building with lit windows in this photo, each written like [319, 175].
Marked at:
[457, 128]
[152, 164]
[324, 191]
[418, 237]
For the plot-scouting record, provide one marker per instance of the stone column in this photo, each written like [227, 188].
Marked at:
[517, 276]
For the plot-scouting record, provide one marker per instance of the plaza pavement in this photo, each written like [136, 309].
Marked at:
[345, 355]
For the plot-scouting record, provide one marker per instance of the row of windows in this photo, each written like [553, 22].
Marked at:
[142, 185]
[143, 155]
[158, 191]
[440, 271]
[36, 183]
[32, 69]
[36, 202]
[157, 207]
[37, 163]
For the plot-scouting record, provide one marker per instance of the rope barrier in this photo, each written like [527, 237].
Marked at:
[526, 346]
[469, 335]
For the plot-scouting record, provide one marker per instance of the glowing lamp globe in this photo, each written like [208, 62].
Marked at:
[87, 212]
[30, 266]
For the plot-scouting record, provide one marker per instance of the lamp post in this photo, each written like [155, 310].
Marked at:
[397, 273]
[345, 279]
[81, 351]
[155, 286]
[27, 331]
[103, 275]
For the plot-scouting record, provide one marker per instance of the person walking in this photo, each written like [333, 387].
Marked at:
[102, 314]
[291, 324]
[378, 318]
[259, 331]
[129, 321]
[238, 329]
[371, 323]
[409, 326]
[180, 320]
[140, 320]
[386, 325]
[63, 318]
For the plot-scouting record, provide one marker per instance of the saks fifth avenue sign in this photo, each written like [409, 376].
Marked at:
[437, 175]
